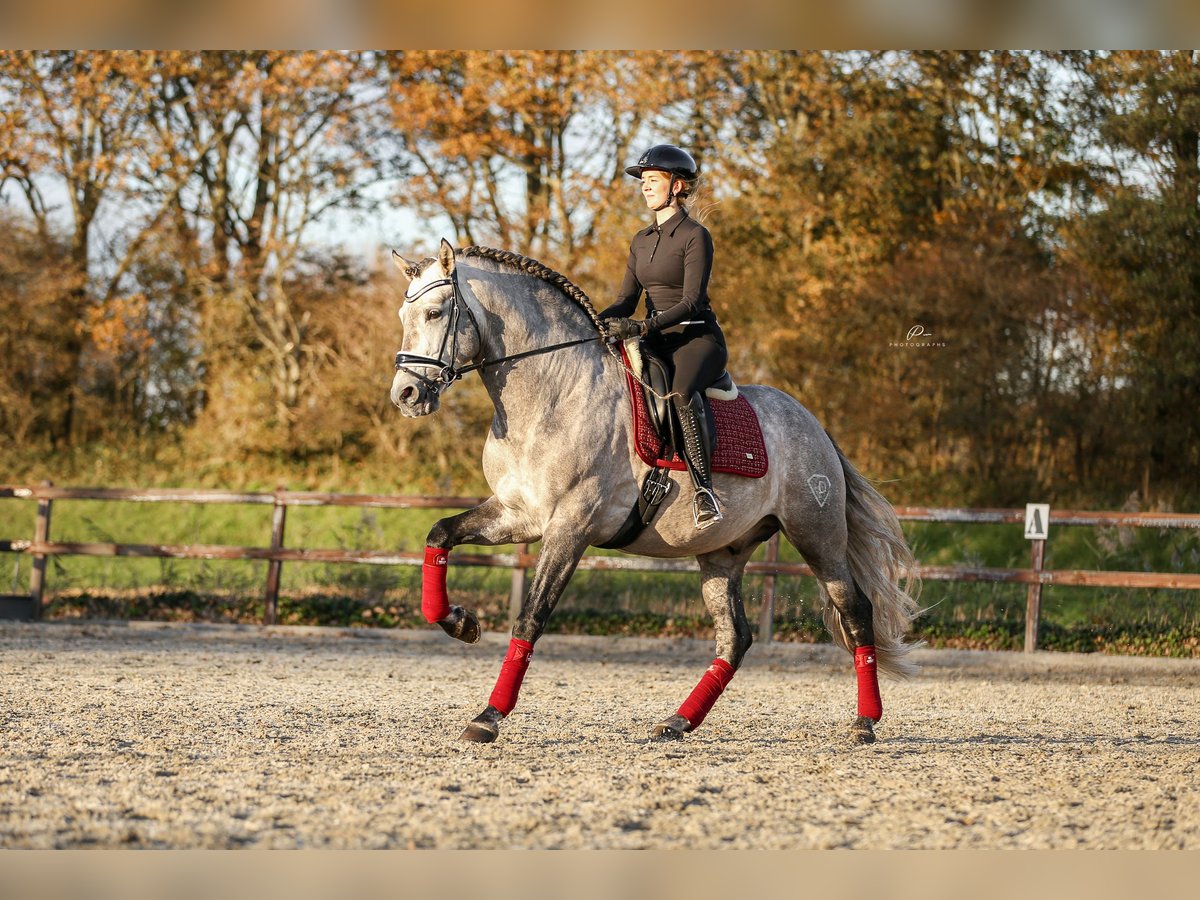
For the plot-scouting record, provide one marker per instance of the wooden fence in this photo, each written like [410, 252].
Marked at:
[521, 560]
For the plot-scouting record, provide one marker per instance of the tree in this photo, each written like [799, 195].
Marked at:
[888, 191]
[279, 140]
[1137, 246]
[527, 150]
[78, 126]
[37, 287]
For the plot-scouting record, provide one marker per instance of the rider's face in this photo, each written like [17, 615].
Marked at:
[655, 185]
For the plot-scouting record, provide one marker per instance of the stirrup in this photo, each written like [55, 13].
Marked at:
[713, 510]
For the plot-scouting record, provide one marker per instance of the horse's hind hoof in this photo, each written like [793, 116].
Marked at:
[484, 728]
[461, 624]
[671, 729]
[863, 731]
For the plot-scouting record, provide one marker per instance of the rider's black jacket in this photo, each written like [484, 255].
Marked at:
[672, 262]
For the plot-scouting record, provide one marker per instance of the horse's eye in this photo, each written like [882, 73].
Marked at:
[431, 314]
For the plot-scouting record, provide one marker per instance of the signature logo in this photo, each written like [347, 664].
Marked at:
[917, 336]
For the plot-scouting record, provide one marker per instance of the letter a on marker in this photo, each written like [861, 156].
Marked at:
[1037, 520]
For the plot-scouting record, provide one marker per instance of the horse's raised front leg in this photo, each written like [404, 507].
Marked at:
[721, 584]
[561, 551]
[489, 523]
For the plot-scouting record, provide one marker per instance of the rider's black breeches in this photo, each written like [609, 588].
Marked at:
[697, 357]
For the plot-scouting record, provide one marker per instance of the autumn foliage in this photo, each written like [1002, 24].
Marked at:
[978, 269]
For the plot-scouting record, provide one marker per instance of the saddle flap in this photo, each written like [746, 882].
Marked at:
[653, 371]
[659, 379]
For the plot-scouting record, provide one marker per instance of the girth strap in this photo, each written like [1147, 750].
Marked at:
[655, 487]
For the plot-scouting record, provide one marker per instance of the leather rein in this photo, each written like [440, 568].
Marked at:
[447, 372]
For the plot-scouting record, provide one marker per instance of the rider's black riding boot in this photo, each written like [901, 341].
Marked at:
[697, 452]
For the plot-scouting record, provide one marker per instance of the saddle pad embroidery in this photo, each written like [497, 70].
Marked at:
[740, 448]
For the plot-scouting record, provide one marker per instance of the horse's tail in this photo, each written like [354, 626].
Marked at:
[879, 557]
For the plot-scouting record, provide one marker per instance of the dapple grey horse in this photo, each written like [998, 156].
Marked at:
[561, 462]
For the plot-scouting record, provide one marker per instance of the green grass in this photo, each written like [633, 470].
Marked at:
[959, 613]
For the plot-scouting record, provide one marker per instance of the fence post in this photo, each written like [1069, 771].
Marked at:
[1033, 600]
[274, 566]
[517, 594]
[37, 572]
[766, 617]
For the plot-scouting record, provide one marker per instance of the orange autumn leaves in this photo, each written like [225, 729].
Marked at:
[170, 215]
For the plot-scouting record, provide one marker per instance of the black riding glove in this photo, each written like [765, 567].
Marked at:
[623, 329]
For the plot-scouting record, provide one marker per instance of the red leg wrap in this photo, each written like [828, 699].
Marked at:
[435, 604]
[869, 702]
[705, 694]
[512, 673]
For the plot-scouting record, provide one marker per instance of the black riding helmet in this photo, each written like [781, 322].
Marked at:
[667, 158]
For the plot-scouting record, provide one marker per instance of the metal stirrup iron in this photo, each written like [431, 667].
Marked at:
[705, 509]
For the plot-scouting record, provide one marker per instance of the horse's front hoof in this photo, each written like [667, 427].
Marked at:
[484, 728]
[461, 625]
[671, 729]
[480, 734]
[863, 731]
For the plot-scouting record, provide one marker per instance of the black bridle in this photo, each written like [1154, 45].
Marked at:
[448, 372]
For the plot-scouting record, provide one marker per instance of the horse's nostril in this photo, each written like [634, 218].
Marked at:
[407, 394]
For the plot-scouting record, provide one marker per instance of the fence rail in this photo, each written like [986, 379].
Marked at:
[41, 547]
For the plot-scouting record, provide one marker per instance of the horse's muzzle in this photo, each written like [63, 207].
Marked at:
[411, 397]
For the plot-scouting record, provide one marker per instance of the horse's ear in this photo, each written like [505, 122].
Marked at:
[406, 266]
[446, 256]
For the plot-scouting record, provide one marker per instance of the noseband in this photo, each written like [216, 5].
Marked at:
[448, 372]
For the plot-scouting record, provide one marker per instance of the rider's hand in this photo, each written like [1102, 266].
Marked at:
[623, 329]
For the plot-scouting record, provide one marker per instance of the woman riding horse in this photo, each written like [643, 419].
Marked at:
[671, 261]
[561, 461]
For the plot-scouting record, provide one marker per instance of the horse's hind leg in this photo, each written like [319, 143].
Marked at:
[853, 615]
[721, 581]
[489, 523]
[856, 613]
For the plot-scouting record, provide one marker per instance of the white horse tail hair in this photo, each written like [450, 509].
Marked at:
[881, 565]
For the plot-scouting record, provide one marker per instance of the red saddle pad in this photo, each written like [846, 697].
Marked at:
[740, 449]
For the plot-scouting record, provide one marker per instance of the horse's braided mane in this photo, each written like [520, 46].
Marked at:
[544, 272]
[531, 267]
[547, 274]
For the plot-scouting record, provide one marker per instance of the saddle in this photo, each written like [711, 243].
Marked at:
[738, 446]
[651, 369]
